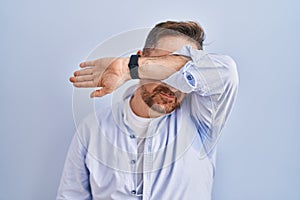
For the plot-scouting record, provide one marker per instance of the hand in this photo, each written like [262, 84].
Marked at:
[108, 73]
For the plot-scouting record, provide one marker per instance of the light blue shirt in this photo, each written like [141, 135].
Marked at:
[179, 149]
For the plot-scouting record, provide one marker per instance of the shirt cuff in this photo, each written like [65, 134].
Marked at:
[188, 78]
[182, 80]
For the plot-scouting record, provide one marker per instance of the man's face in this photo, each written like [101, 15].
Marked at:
[159, 96]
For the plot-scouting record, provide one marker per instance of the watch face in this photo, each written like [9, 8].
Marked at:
[133, 62]
[133, 66]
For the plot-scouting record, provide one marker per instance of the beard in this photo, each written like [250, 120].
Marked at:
[156, 102]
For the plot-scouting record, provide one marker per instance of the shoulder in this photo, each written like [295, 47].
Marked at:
[226, 66]
[90, 126]
[222, 60]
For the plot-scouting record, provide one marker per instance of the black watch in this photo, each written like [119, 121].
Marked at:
[134, 66]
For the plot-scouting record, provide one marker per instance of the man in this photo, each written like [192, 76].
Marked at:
[158, 140]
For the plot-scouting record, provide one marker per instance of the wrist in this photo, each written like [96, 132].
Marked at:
[125, 71]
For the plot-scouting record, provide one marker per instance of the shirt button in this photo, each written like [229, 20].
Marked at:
[190, 79]
[133, 192]
[132, 162]
[132, 136]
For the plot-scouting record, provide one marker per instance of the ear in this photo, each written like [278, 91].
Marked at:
[140, 53]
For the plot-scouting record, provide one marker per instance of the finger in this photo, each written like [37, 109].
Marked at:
[72, 79]
[100, 93]
[87, 63]
[85, 84]
[86, 71]
[82, 78]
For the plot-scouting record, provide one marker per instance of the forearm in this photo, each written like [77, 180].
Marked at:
[157, 68]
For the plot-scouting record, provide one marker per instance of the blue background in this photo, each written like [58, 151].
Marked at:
[42, 42]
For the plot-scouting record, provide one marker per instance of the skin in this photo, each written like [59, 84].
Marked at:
[152, 98]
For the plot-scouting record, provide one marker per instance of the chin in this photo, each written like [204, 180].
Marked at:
[163, 109]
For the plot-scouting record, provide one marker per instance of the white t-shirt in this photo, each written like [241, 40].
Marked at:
[140, 126]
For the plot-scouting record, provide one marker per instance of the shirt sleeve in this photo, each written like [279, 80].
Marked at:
[211, 83]
[75, 179]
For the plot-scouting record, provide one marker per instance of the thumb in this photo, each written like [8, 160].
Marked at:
[100, 93]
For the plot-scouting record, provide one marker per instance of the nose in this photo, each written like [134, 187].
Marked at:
[172, 89]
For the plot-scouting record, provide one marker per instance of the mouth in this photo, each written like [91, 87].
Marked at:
[168, 96]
